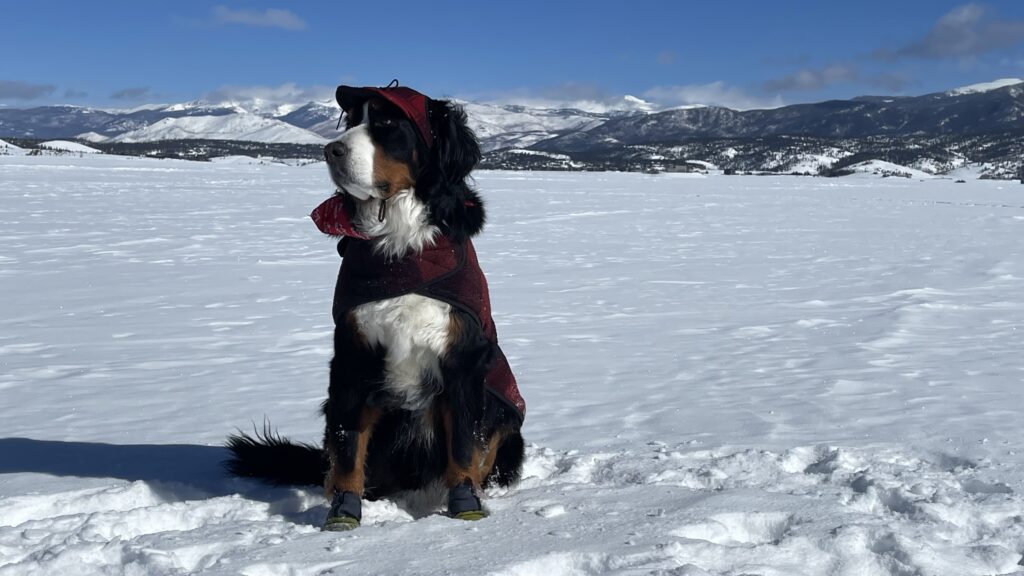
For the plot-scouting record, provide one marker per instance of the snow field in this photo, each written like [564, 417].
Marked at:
[724, 375]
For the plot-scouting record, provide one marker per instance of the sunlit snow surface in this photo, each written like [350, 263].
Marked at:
[726, 375]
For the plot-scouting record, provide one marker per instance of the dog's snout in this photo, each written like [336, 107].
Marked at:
[334, 150]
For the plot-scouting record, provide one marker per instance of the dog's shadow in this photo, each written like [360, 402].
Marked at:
[175, 472]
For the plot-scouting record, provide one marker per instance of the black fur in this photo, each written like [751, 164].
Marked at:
[397, 458]
[396, 461]
[454, 206]
[275, 459]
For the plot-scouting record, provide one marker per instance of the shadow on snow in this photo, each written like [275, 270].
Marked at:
[176, 472]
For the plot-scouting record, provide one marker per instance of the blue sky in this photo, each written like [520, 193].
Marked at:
[741, 54]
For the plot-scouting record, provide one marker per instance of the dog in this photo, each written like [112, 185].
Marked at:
[420, 394]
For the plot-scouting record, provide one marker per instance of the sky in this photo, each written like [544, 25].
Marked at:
[740, 54]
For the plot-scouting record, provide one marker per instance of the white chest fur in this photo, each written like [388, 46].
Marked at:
[413, 331]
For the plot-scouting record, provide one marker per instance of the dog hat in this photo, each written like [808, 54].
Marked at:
[413, 104]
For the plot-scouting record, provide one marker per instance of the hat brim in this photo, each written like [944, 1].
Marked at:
[349, 97]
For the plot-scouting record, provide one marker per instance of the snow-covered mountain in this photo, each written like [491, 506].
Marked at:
[582, 128]
[239, 126]
[319, 117]
[510, 126]
[985, 86]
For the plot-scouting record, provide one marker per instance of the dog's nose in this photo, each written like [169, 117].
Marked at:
[334, 150]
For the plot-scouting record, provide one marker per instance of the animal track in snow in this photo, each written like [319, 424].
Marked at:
[737, 528]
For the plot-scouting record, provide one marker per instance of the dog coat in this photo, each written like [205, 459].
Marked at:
[446, 271]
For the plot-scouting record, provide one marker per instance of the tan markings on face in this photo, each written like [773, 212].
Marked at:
[389, 175]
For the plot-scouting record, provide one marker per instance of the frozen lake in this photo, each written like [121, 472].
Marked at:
[723, 375]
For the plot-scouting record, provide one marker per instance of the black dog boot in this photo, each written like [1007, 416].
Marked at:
[464, 504]
[346, 512]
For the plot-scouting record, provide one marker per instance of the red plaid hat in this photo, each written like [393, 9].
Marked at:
[412, 103]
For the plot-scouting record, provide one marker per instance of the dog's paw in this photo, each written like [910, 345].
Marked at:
[463, 503]
[345, 514]
[471, 515]
[340, 524]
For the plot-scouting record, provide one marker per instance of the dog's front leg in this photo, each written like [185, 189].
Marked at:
[470, 445]
[350, 420]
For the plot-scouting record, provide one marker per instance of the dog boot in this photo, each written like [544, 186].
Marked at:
[464, 504]
[346, 512]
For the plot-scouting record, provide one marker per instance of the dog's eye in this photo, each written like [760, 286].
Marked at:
[386, 121]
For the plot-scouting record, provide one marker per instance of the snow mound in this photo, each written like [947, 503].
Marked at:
[93, 137]
[249, 127]
[887, 169]
[8, 149]
[67, 146]
[985, 86]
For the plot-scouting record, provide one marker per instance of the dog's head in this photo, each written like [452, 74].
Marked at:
[412, 155]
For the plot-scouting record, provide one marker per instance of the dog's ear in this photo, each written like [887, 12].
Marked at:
[454, 206]
[457, 148]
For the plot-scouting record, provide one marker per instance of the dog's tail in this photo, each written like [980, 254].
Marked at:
[275, 459]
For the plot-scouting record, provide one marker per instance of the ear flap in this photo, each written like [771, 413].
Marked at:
[454, 206]
[457, 148]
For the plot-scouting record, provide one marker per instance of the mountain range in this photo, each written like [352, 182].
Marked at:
[631, 134]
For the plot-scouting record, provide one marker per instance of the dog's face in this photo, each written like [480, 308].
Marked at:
[379, 153]
[381, 156]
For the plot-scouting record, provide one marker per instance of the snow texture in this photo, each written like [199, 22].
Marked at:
[726, 375]
[238, 126]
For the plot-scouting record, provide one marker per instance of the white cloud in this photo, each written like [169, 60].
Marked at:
[269, 18]
[964, 32]
[288, 93]
[712, 94]
[575, 95]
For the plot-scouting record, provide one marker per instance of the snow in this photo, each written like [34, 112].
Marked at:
[810, 163]
[985, 86]
[261, 160]
[540, 153]
[68, 146]
[92, 137]
[500, 126]
[632, 103]
[724, 375]
[8, 149]
[238, 126]
[703, 164]
[883, 168]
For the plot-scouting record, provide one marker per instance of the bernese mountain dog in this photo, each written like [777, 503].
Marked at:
[420, 394]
